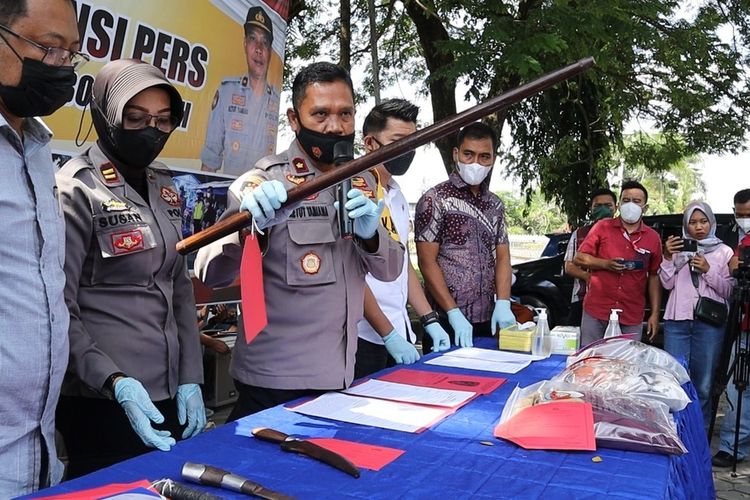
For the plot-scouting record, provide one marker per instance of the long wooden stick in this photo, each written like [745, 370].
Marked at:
[435, 131]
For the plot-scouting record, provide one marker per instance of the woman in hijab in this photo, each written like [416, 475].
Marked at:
[135, 356]
[689, 276]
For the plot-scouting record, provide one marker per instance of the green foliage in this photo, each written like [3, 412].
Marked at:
[659, 62]
[531, 215]
[672, 184]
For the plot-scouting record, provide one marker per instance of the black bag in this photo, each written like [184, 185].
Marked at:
[711, 311]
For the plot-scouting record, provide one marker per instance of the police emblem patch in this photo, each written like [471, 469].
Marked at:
[294, 179]
[126, 242]
[359, 182]
[109, 172]
[300, 166]
[236, 146]
[169, 195]
[310, 263]
[238, 100]
[237, 125]
[316, 152]
[113, 205]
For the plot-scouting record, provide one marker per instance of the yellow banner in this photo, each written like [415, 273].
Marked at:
[224, 56]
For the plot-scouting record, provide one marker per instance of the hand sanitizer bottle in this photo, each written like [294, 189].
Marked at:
[542, 342]
[613, 328]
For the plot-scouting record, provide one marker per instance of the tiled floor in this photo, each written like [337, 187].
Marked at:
[728, 487]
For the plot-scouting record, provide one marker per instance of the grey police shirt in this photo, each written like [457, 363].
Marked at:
[313, 280]
[242, 126]
[128, 290]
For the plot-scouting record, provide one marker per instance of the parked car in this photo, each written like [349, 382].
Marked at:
[543, 282]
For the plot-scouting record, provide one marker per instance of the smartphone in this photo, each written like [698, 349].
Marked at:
[631, 265]
[689, 245]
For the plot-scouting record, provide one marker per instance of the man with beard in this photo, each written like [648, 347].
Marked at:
[245, 111]
[39, 45]
[314, 279]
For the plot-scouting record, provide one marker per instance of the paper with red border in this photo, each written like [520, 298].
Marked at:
[551, 426]
[444, 380]
[366, 456]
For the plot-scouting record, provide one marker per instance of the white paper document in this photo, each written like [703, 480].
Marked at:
[404, 417]
[410, 393]
[489, 360]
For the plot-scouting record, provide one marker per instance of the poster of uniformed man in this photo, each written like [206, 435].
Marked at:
[244, 115]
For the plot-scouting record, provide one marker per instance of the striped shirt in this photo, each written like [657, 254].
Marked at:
[34, 344]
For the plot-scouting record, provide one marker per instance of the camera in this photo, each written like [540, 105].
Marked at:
[744, 260]
[689, 245]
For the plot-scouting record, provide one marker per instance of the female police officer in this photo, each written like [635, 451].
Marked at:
[135, 358]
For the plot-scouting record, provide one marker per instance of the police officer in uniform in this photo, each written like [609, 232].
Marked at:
[313, 278]
[244, 115]
[135, 356]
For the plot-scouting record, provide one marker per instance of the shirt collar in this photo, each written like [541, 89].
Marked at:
[458, 182]
[33, 129]
[618, 222]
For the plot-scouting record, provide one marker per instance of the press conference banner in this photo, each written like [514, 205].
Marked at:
[224, 56]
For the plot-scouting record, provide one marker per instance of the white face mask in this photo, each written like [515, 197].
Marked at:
[744, 224]
[472, 173]
[631, 212]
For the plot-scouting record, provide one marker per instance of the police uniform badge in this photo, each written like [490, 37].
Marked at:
[237, 125]
[109, 173]
[126, 242]
[113, 205]
[236, 146]
[316, 151]
[244, 81]
[300, 167]
[170, 196]
[294, 179]
[238, 100]
[310, 263]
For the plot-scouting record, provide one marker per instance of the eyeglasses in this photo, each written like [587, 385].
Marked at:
[53, 56]
[165, 123]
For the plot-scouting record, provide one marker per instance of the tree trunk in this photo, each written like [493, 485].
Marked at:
[432, 33]
[345, 35]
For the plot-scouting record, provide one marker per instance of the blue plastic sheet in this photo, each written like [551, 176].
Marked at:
[447, 461]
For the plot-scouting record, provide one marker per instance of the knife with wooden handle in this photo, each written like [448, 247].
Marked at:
[312, 450]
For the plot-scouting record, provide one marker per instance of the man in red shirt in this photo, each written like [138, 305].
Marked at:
[623, 255]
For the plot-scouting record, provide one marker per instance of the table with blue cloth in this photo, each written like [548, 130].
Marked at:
[452, 459]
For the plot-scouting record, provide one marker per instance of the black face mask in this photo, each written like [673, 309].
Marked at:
[400, 164]
[138, 148]
[43, 89]
[133, 148]
[320, 146]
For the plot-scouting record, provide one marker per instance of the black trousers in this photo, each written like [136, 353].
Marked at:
[575, 314]
[480, 330]
[97, 433]
[371, 358]
[253, 399]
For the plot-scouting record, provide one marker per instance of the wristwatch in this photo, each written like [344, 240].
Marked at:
[429, 318]
[109, 384]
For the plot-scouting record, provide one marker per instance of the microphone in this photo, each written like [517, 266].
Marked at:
[343, 152]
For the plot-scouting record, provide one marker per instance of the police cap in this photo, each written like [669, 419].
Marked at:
[258, 18]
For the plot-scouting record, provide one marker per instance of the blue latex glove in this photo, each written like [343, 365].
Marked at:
[440, 339]
[502, 316]
[263, 201]
[190, 408]
[141, 411]
[461, 327]
[364, 211]
[400, 349]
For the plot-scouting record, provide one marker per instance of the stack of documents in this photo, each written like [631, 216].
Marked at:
[489, 360]
[398, 405]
